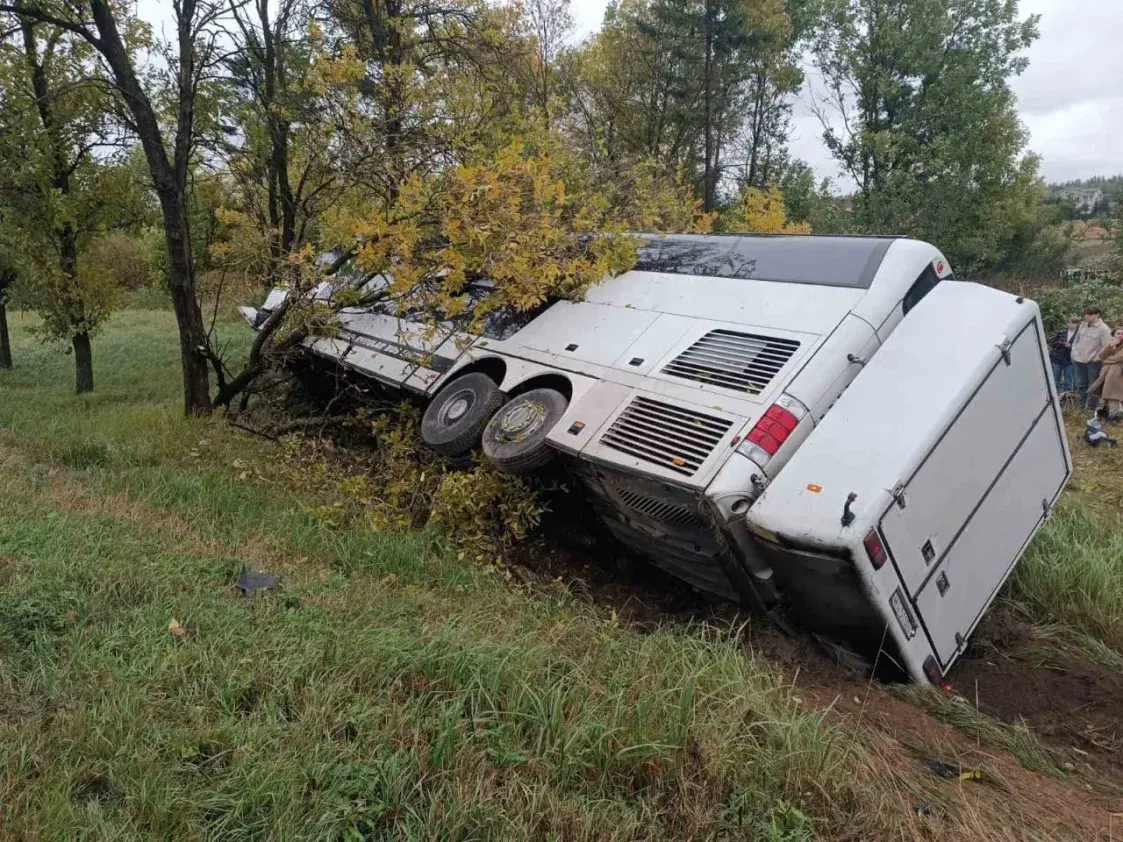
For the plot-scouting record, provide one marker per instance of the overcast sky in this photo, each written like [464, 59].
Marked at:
[1070, 98]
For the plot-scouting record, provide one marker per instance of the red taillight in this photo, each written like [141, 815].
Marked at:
[876, 550]
[773, 429]
[932, 673]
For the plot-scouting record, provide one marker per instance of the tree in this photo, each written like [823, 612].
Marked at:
[7, 278]
[375, 96]
[278, 145]
[619, 98]
[762, 211]
[686, 84]
[918, 110]
[809, 202]
[1039, 245]
[420, 84]
[60, 193]
[192, 58]
[274, 139]
[708, 41]
[547, 23]
[774, 78]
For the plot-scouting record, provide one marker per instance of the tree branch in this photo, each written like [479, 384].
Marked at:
[33, 10]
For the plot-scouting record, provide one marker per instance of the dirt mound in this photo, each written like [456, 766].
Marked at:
[902, 737]
[1075, 705]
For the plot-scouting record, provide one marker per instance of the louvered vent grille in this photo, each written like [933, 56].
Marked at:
[677, 439]
[743, 362]
[659, 510]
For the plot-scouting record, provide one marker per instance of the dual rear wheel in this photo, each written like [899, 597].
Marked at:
[472, 411]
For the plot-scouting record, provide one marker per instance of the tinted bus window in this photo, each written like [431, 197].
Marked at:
[834, 261]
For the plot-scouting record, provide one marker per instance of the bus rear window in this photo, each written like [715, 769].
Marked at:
[824, 261]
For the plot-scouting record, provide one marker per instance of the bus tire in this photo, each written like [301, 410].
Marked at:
[455, 419]
[515, 438]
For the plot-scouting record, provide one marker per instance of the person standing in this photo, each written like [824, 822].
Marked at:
[1109, 385]
[1091, 339]
[1060, 354]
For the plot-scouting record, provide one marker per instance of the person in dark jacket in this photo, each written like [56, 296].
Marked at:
[1060, 354]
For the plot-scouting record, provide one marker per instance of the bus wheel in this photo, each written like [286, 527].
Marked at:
[515, 438]
[456, 418]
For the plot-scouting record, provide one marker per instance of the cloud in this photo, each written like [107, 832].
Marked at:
[588, 15]
[1069, 97]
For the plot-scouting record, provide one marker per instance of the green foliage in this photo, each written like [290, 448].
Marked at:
[74, 304]
[484, 512]
[1073, 574]
[762, 212]
[1059, 302]
[443, 231]
[59, 196]
[1038, 249]
[928, 125]
[124, 257]
[809, 202]
[154, 252]
[404, 486]
[692, 86]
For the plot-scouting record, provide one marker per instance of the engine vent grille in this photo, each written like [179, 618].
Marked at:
[671, 437]
[742, 362]
[659, 510]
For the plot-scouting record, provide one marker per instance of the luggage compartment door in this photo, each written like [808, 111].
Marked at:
[965, 581]
[965, 515]
[953, 479]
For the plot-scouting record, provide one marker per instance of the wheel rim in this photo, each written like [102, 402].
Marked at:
[521, 421]
[456, 407]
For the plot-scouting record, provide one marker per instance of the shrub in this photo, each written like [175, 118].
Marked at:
[483, 512]
[125, 258]
[402, 486]
[1057, 303]
[152, 243]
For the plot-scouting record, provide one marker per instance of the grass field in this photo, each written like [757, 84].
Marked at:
[384, 691]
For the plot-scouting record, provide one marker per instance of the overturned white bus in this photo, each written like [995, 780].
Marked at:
[830, 427]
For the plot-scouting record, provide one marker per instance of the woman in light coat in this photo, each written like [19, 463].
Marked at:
[1109, 385]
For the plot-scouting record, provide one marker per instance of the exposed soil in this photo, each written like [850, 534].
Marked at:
[1074, 705]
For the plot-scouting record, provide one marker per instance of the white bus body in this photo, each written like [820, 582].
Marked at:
[689, 383]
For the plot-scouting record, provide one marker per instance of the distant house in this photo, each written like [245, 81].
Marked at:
[1086, 200]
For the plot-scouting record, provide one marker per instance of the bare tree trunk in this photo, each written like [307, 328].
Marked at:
[83, 364]
[5, 341]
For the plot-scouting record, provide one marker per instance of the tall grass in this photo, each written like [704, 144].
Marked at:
[1073, 574]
